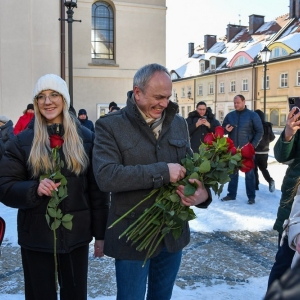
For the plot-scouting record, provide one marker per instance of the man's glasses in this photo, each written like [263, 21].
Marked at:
[52, 97]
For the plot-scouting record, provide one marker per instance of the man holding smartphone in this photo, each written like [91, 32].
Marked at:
[242, 126]
[200, 122]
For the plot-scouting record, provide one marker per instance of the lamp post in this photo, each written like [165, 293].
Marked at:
[265, 56]
[70, 6]
[189, 96]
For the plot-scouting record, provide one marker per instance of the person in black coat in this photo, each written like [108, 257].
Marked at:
[6, 132]
[84, 120]
[262, 153]
[55, 247]
[200, 122]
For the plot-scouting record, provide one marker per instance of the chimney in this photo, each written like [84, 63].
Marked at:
[297, 9]
[232, 31]
[209, 41]
[292, 9]
[191, 49]
[255, 21]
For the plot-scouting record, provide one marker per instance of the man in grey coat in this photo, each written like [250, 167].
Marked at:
[138, 149]
[243, 126]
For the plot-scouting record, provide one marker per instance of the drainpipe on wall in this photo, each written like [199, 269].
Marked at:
[62, 42]
[216, 86]
[195, 93]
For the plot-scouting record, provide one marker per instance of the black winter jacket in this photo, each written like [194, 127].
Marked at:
[247, 127]
[6, 133]
[197, 134]
[87, 123]
[267, 138]
[18, 189]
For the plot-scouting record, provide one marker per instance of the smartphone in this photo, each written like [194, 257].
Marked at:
[294, 102]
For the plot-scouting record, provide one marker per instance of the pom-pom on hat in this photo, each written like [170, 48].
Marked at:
[52, 82]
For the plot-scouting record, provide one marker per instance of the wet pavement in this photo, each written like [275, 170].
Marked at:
[211, 258]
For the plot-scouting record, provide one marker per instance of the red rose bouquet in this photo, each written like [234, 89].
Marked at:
[54, 215]
[217, 159]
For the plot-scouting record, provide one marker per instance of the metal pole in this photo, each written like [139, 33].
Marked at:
[265, 87]
[62, 43]
[70, 53]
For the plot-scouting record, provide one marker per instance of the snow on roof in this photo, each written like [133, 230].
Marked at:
[291, 40]
[295, 27]
[254, 48]
[268, 28]
[217, 47]
[243, 41]
[190, 68]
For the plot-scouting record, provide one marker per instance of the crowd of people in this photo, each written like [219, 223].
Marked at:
[85, 177]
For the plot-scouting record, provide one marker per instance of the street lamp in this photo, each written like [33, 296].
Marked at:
[189, 96]
[265, 56]
[70, 6]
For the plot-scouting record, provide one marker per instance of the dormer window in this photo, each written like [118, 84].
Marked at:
[241, 61]
[202, 67]
[278, 52]
[213, 63]
[174, 76]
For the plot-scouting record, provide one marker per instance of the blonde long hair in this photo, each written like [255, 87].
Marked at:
[76, 158]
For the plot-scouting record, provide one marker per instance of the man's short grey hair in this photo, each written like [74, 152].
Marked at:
[144, 74]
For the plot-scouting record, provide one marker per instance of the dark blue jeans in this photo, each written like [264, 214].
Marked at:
[249, 181]
[283, 261]
[160, 270]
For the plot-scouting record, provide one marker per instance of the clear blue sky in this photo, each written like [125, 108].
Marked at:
[189, 20]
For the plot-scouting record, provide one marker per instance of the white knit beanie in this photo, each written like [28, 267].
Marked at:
[52, 82]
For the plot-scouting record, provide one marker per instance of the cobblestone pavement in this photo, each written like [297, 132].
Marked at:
[211, 258]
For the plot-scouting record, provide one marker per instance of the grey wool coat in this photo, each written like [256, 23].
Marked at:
[129, 162]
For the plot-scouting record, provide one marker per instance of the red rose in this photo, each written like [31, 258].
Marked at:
[232, 150]
[229, 142]
[247, 165]
[248, 151]
[219, 131]
[209, 138]
[55, 141]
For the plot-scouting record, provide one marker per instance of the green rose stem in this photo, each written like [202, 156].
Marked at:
[132, 209]
[55, 259]
[57, 196]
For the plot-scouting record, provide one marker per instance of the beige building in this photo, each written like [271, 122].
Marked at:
[222, 68]
[113, 40]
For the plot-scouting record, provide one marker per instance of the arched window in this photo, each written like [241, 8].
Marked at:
[278, 52]
[174, 76]
[241, 61]
[102, 34]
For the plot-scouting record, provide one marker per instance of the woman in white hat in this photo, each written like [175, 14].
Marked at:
[47, 171]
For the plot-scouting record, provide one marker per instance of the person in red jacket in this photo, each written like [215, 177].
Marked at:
[24, 120]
